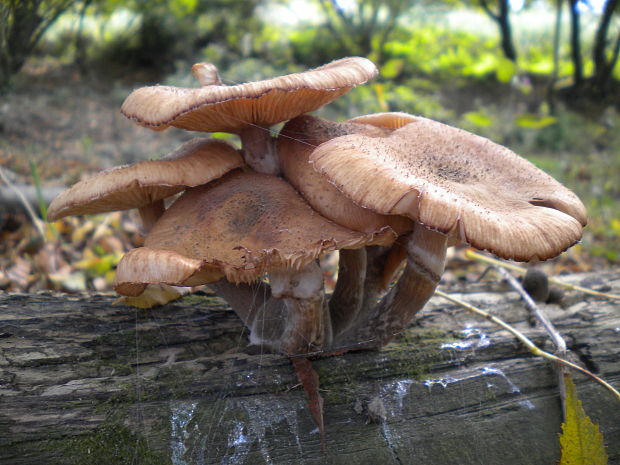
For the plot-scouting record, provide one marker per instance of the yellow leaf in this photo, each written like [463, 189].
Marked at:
[581, 441]
[109, 277]
[80, 233]
[89, 260]
[98, 264]
[381, 97]
[154, 295]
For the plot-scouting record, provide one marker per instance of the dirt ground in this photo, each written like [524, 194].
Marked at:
[70, 127]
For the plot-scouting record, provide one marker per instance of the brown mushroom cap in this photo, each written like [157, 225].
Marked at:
[296, 141]
[457, 183]
[232, 108]
[196, 162]
[240, 226]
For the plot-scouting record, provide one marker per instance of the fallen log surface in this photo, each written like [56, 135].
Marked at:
[11, 202]
[83, 381]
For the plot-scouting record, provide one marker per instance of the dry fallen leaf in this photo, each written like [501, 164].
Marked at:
[154, 295]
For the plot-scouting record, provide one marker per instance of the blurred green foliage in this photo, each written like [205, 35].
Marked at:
[440, 59]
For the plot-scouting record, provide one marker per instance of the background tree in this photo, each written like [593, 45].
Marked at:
[575, 42]
[22, 24]
[605, 52]
[365, 28]
[502, 18]
[167, 32]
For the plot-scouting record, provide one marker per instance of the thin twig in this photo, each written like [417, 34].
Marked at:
[469, 253]
[35, 220]
[542, 318]
[527, 342]
[556, 337]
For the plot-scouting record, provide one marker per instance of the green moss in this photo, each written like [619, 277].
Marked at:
[121, 369]
[171, 383]
[206, 300]
[430, 335]
[112, 443]
[119, 339]
[146, 340]
[338, 396]
[490, 394]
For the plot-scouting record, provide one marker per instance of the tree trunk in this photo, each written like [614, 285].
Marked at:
[575, 43]
[23, 23]
[502, 18]
[557, 34]
[603, 67]
[83, 381]
[506, 31]
[80, 57]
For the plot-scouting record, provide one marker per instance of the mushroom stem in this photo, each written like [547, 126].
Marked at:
[346, 301]
[151, 213]
[374, 283]
[307, 325]
[259, 149]
[261, 313]
[426, 253]
[395, 257]
[382, 263]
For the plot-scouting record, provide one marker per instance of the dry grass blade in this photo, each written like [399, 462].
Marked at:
[469, 253]
[527, 342]
[35, 220]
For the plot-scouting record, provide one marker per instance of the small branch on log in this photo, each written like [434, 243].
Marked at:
[542, 318]
[556, 337]
[11, 201]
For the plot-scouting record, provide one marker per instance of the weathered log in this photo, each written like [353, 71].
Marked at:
[85, 382]
[11, 202]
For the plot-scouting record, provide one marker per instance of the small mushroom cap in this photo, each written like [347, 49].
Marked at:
[240, 226]
[142, 266]
[457, 183]
[296, 141]
[232, 108]
[196, 162]
[389, 120]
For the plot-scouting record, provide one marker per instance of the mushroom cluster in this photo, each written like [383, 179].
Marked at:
[382, 189]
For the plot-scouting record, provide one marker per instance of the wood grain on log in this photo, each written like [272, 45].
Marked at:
[83, 381]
